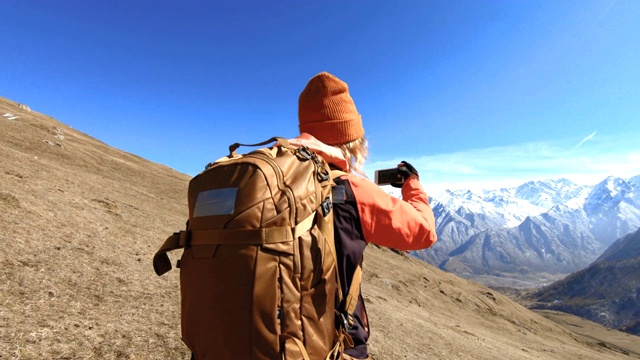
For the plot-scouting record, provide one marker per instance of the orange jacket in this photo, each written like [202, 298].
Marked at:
[406, 224]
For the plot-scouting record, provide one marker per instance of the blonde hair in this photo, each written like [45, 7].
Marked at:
[356, 154]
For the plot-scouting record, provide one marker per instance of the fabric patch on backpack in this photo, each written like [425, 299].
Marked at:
[339, 194]
[215, 202]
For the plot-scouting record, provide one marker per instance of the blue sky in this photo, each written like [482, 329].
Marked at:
[490, 92]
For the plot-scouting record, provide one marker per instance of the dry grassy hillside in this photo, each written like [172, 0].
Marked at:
[81, 221]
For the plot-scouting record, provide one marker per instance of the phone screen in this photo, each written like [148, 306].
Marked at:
[386, 176]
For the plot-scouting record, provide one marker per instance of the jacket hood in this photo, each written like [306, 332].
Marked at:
[331, 154]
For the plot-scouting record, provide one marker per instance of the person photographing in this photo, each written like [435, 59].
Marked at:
[331, 126]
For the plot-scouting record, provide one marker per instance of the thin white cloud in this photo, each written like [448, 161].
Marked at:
[513, 165]
[589, 137]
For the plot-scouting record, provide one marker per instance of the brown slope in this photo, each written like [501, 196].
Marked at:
[81, 221]
[419, 312]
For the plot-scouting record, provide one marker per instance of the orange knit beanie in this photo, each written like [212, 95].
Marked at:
[327, 112]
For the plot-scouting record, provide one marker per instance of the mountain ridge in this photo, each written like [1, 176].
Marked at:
[571, 224]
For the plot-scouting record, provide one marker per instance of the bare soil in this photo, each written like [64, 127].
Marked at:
[80, 224]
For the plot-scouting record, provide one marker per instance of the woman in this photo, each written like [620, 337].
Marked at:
[331, 126]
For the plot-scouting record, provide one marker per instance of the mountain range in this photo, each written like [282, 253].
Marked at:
[532, 234]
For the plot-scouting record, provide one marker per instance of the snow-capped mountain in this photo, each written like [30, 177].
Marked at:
[501, 205]
[552, 226]
[635, 182]
[513, 205]
[613, 208]
[607, 195]
[547, 194]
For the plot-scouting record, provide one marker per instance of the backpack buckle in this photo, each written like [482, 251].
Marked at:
[323, 174]
[326, 206]
[343, 322]
[305, 153]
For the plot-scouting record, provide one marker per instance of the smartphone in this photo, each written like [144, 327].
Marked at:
[387, 176]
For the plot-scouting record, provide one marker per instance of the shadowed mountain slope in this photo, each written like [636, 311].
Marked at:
[607, 292]
[80, 224]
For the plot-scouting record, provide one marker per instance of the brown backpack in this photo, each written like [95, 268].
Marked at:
[258, 274]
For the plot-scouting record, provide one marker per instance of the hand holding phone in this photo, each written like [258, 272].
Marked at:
[395, 176]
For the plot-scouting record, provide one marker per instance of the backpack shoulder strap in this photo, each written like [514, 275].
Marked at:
[337, 173]
[352, 297]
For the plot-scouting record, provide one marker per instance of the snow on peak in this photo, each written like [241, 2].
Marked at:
[548, 193]
[533, 198]
[613, 186]
[608, 193]
[635, 182]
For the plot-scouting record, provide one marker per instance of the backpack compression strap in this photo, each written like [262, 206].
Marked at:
[185, 238]
[161, 262]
